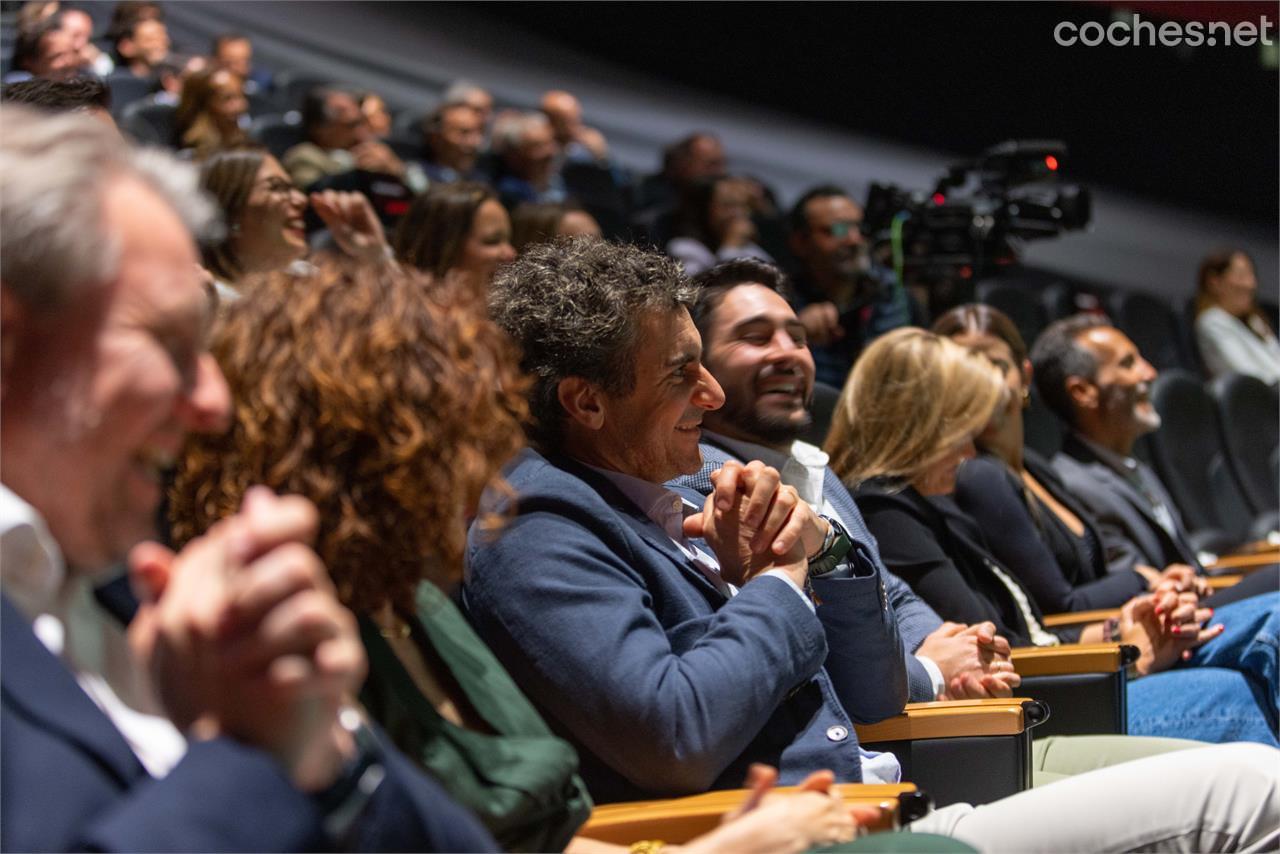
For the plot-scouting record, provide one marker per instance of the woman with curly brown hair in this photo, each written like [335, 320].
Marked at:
[391, 402]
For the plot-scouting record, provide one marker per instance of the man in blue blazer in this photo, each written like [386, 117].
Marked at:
[218, 721]
[670, 668]
[755, 347]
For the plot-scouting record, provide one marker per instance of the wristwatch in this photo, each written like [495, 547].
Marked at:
[835, 547]
[342, 803]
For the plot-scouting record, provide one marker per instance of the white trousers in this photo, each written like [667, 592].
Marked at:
[1212, 798]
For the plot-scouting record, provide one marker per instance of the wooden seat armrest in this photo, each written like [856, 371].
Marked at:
[1072, 658]
[1222, 582]
[1243, 562]
[956, 719]
[679, 820]
[1076, 618]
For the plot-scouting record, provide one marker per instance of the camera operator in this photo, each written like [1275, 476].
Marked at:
[843, 298]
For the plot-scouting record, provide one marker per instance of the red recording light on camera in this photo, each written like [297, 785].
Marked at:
[939, 199]
[1051, 162]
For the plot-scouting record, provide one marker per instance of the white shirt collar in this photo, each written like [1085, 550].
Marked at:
[804, 468]
[31, 565]
[663, 506]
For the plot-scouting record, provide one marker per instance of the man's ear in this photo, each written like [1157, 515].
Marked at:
[1083, 393]
[582, 402]
[1026, 374]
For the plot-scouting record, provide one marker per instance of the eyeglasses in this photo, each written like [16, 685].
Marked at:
[841, 229]
[278, 187]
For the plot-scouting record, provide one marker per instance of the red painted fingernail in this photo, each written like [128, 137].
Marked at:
[1159, 610]
[1210, 612]
[1177, 630]
[1186, 654]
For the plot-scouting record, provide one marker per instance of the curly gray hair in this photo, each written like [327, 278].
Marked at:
[576, 308]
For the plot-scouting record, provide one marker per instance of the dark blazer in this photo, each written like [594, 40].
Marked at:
[665, 685]
[934, 547]
[1068, 578]
[915, 618]
[71, 782]
[1123, 513]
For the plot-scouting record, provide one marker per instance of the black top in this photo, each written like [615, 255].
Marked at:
[932, 545]
[1063, 572]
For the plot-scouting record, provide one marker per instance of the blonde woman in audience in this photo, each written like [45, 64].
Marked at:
[904, 424]
[1231, 331]
[458, 229]
[391, 402]
[263, 210]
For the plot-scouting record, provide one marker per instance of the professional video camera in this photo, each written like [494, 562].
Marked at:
[978, 214]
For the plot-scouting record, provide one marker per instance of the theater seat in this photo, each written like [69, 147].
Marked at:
[822, 408]
[1246, 411]
[678, 820]
[940, 745]
[1154, 326]
[277, 133]
[150, 123]
[1187, 452]
[1020, 300]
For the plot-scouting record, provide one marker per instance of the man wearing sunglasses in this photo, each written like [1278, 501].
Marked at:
[842, 297]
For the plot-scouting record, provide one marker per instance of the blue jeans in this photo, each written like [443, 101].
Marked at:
[1227, 691]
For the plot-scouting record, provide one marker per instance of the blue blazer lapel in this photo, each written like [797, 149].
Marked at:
[643, 526]
[38, 685]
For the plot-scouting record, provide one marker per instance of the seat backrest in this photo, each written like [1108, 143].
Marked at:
[822, 408]
[276, 133]
[150, 123]
[1042, 431]
[288, 88]
[1021, 301]
[1187, 449]
[1246, 410]
[126, 89]
[1153, 325]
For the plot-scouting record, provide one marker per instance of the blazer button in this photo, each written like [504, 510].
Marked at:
[837, 733]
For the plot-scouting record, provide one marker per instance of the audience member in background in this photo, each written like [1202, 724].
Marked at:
[1231, 331]
[526, 151]
[697, 156]
[844, 299]
[78, 24]
[576, 141]
[754, 346]
[221, 719]
[126, 12]
[34, 12]
[263, 212]
[339, 140]
[903, 482]
[209, 114]
[171, 74]
[234, 52]
[670, 667]
[43, 50]
[444, 413]
[376, 114]
[713, 224]
[78, 94]
[1094, 379]
[1034, 526]
[454, 135]
[456, 229]
[141, 46]
[533, 223]
[476, 97]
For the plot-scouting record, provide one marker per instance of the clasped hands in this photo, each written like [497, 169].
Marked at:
[754, 523]
[243, 636]
[974, 661]
[1166, 626]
